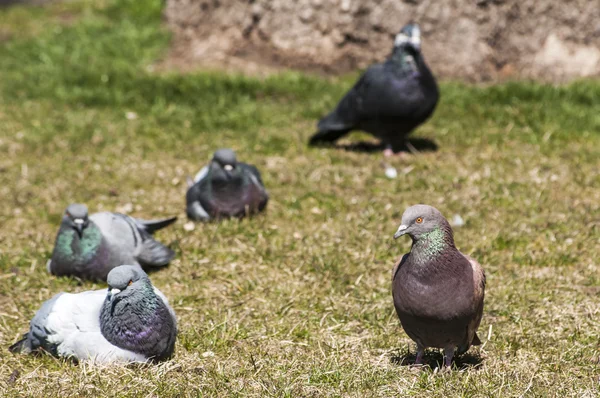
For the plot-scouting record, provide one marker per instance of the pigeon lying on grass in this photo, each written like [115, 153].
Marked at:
[438, 291]
[89, 247]
[225, 188]
[389, 100]
[131, 322]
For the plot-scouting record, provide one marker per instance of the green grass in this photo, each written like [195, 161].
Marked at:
[295, 302]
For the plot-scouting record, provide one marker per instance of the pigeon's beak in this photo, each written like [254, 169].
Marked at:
[401, 231]
[79, 226]
[415, 37]
[112, 292]
[228, 169]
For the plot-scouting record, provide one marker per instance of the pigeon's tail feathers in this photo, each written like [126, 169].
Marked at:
[154, 225]
[476, 340]
[22, 346]
[336, 121]
[154, 254]
[325, 136]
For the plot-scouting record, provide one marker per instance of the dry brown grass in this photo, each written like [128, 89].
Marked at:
[297, 302]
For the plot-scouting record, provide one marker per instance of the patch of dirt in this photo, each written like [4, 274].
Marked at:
[485, 40]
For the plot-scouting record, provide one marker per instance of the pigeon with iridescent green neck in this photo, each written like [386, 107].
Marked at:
[438, 291]
[225, 188]
[131, 322]
[88, 247]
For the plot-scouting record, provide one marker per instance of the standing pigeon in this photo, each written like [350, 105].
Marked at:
[225, 188]
[389, 100]
[132, 322]
[89, 247]
[438, 291]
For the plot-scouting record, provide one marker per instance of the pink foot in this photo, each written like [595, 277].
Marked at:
[388, 153]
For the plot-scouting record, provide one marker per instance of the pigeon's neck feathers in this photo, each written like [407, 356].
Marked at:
[138, 323]
[220, 184]
[70, 245]
[404, 60]
[432, 245]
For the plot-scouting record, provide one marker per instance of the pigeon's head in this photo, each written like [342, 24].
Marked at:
[224, 164]
[419, 220]
[76, 217]
[409, 37]
[124, 280]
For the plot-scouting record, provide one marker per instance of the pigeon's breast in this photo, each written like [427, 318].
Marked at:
[81, 257]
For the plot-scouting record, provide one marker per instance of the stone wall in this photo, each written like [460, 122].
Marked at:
[478, 40]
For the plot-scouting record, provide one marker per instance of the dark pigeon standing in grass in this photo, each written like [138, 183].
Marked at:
[89, 247]
[225, 188]
[389, 100]
[438, 291]
[131, 322]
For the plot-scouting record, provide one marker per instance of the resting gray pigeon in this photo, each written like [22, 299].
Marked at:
[225, 188]
[438, 291]
[89, 247]
[131, 322]
[389, 100]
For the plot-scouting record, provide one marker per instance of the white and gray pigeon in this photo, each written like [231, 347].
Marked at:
[225, 188]
[131, 322]
[438, 291]
[389, 100]
[89, 247]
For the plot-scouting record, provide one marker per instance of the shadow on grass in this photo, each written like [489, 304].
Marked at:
[434, 359]
[420, 144]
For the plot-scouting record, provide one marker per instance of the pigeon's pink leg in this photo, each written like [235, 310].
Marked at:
[388, 152]
[420, 354]
[448, 354]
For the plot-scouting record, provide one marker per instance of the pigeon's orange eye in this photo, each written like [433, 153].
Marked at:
[130, 283]
[419, 220]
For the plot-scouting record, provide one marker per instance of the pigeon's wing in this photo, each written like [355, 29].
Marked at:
[151, 252]
[398, 265]
[253, 171]
[39, 335]
[130, 243]
[347, 113]
[478, 296]
[76, 320]
[255, 179]
[379, 95]
[120, 232]
[201, 174]
[154, 254]
[388, 96]
[68, 325]
[194, 209]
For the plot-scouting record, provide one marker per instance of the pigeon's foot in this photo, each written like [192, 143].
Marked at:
[420, 354]
[389, 152]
